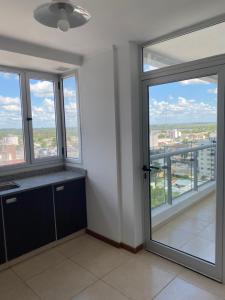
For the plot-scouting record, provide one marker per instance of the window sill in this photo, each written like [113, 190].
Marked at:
[24, 168]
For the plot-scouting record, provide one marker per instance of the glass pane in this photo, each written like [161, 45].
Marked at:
[207, 164]
[185, 48]
[158, 183]
[183, 136]
[44, 120]
[71, 117]
[11, 125]
[181, 168]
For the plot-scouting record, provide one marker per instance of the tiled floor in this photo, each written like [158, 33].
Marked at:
[87, 269]
[193, 231]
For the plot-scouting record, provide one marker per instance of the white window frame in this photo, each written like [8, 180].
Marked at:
[30, 162]
[53, 78]
[69, 159]
[21, 74]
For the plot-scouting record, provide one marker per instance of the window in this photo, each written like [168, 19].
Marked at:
[34, 128]
[43, 113]
[11, 125]
[72, 124]
[184, 48]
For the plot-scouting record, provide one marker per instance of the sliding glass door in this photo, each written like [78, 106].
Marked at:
[184, 167]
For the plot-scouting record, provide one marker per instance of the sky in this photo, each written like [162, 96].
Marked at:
[42, 100]
[188, 101]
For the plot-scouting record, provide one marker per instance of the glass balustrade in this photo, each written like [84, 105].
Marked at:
[175, 173]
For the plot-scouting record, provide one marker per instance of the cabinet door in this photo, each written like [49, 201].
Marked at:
[29, 221]
[70, 207]
[2, 245]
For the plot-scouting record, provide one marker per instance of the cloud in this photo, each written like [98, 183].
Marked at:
[194, 81]
[10, 112]
[6, 75]
[69, 93]
[49, 105]
[9, 100]
[182, 110]
[11, 107]
[71, 114]
[213, 91]
[43, 110]
[44, 115]
[71, 107]
[42, 89]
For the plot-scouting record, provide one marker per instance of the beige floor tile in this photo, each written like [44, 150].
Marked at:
[11, 287]
[101, 260]
[204, 210]
[139, 280]
[79, 244]
[178, 289]
[172, 237]
[100, 291]
[61, 282]
[203, 282]
[151, 259]
[38, 264]
[209, 232]
[190, 225]
[200, 248]
[201, 213]
[193, 231]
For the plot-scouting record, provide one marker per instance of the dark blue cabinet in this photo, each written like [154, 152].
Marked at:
[2, 245]
[70, 207]
[29, 221]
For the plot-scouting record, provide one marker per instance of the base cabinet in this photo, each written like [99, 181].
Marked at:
[70, 207]
[29, 221]
[2, 244]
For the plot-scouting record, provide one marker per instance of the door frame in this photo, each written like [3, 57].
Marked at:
[173, 74]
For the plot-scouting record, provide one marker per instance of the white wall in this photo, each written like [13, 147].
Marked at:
[130, 144]
[110, 112]
[99, 143]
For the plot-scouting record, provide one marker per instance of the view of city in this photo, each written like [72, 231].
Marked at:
[186, 136]
[12, 150]
[182, 137]
[71, 117]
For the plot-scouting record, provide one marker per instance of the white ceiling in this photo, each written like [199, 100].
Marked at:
[12, 59]
[113, 22]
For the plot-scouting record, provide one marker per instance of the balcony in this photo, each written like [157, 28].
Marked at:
[183, 198]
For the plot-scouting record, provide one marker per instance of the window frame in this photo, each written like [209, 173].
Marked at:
[30, 162]
[52, 78]
[21, 75]
[78, 160]
[178, 33]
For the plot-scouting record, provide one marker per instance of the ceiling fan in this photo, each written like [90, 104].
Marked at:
[62, 14]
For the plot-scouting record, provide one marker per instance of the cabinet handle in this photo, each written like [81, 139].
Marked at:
[60, 188]
[11, 200]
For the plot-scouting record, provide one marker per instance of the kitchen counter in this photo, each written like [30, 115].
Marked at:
[34, 182]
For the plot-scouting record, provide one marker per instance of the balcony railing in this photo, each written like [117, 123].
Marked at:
[175, 173]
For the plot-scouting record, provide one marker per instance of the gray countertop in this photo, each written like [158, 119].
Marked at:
[30, 183]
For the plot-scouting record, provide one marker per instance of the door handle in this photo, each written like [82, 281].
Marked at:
[60, 188]
[148, 169]
[11, 200]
